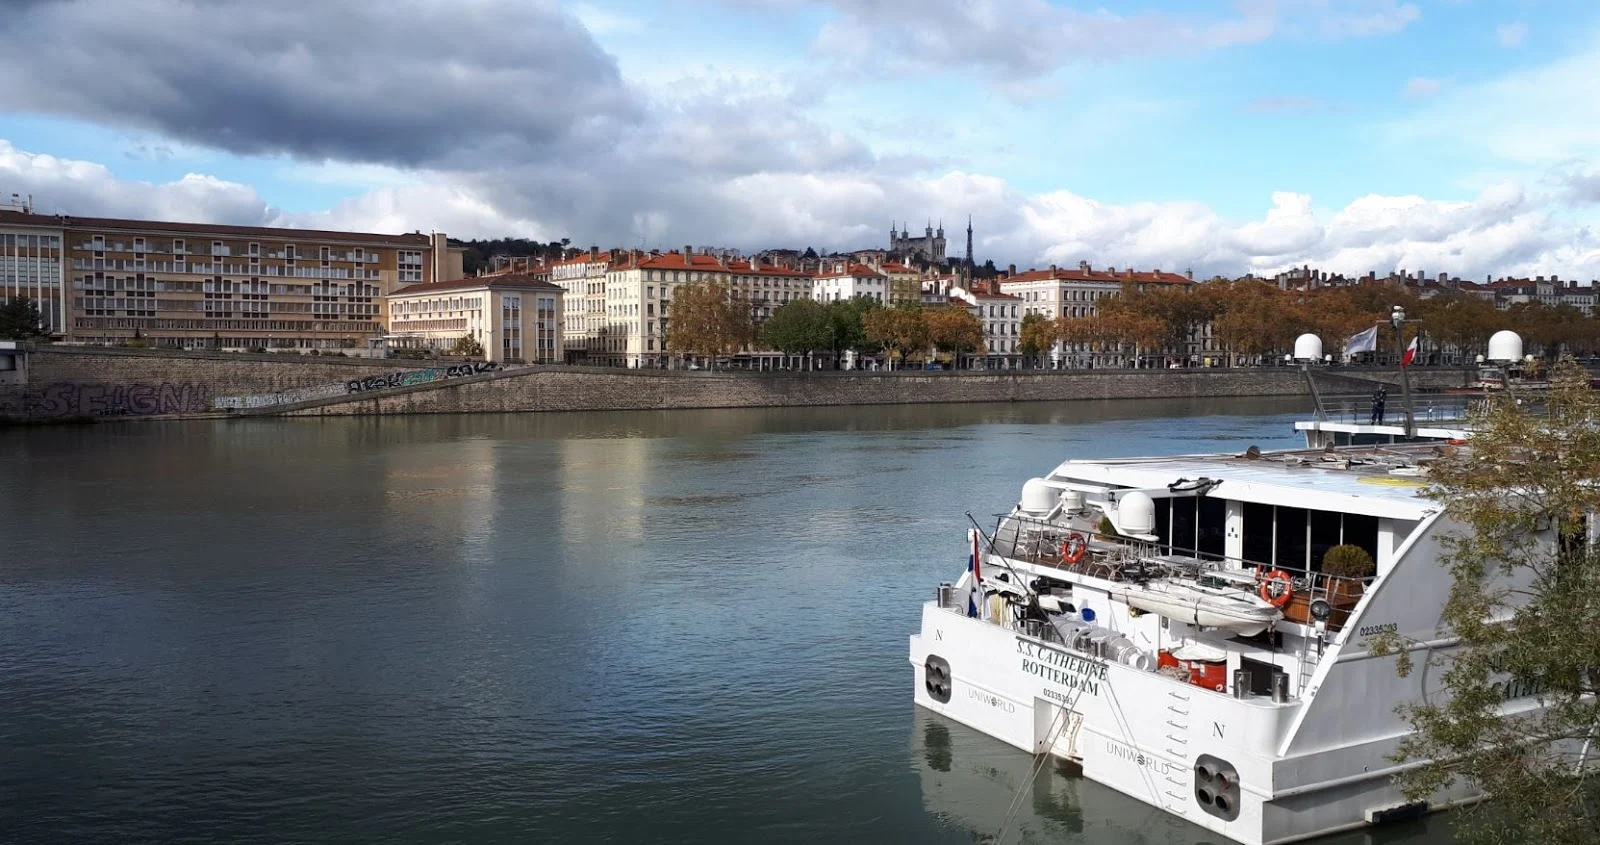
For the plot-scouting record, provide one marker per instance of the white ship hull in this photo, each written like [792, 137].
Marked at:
[1142, 733]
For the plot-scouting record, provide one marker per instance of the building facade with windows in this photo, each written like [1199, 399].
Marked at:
[516, 318]
[638, 299]
[1000, 314]
[1058, 293]
[846, 281]
[584, 306]
[31, 262]
[210, 286]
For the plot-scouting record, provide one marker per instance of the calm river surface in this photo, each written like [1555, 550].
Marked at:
[631, 627]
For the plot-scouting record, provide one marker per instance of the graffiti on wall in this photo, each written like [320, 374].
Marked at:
[282, 397]
[414, 377]
[118, 400]
[403, 378]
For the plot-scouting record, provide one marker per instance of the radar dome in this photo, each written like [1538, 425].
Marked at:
[1505, 345]
[1136, 513]
[1308, 347]
[1037, 497]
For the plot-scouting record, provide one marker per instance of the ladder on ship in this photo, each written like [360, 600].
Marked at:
[1177, 736]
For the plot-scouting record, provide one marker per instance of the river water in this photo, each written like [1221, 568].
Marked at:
[649, 627]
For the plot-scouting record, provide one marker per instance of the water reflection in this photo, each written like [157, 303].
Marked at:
[969, 781]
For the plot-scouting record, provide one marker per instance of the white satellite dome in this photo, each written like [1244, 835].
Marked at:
[1136, 513]
[1505, 345]
[1037, 497]
[1308, 347]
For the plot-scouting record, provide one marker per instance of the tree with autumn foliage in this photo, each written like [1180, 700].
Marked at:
[1524, 606]
[705, 322]
[901, 330]
[955, 331]
[1037, 335]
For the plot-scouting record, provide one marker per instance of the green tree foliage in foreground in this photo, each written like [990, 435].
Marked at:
[1525, 603]
[798, 327]
[20, 319]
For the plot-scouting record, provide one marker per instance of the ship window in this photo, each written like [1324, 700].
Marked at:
[1164, 523]
[1290, 543]
[1361, 530]
[1183, 525]
[1211, 528]
[1324, 535]
[1257, 547]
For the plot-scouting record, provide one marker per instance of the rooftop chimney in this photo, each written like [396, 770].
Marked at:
[1083, 267]
[1011, 270]
[594, 253]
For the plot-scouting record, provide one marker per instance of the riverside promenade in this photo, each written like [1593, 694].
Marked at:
[85, 383]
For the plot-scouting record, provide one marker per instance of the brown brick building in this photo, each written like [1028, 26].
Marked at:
[209, 286]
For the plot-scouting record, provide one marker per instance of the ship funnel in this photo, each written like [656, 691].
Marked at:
[1308, 347]
[1505, 345]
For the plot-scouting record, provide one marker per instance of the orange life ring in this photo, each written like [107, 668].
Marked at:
[1270, 587]
[1073, 547]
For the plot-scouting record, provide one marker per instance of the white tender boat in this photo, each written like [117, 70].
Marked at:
[1230, 608]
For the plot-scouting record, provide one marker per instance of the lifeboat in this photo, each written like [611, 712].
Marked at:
[1231, 608]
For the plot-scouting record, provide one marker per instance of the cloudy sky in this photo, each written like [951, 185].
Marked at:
[1440, 135]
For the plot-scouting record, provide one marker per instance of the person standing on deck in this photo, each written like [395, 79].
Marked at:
[1378, 400]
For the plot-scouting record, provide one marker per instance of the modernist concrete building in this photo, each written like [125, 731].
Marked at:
[515, 318]
[193, 285]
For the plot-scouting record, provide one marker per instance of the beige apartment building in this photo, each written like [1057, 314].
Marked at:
[1072, 294]
[193, 285]
[515, 317]
[637, 298]
[584, 306]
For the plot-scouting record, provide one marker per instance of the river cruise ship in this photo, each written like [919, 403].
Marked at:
[1193, 631]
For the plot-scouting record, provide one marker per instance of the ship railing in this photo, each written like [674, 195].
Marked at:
[1423, 409]
[1117, 558]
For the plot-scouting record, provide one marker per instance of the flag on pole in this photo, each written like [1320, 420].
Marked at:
[1411, 353]
[1366, 341]
[975, 598]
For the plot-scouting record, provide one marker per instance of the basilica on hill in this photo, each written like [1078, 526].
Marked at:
[929, 246]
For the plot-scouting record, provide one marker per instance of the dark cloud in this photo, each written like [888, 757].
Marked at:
[405, 82]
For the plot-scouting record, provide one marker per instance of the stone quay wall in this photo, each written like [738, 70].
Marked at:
[61, 383]
[75, 382]
[580, 389]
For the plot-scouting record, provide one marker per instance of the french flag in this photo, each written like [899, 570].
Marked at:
[1411, 353]
[973, 606]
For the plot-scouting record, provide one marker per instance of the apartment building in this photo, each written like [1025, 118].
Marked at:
[765, 287]
[212, 286]
[584, 306]
[1000, 314]
[638, 296]
[846, 281]
[515, 317]
[905, 283]
[1073, 294]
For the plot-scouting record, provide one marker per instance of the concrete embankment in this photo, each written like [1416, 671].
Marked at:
[73, 383]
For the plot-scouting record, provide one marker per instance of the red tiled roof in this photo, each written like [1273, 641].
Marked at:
[861, 270]
[17, 218]
[740, 265]
[504, 280]
[1104, 276]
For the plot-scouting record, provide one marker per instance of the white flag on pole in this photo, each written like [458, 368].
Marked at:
[1366, 341]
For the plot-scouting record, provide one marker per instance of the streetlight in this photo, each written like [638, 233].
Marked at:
[1397, 318]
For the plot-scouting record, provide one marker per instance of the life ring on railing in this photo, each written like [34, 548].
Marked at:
[1073, 547]
[1277, 588]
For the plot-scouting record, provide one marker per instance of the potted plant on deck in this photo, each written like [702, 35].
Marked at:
[1346, 565]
